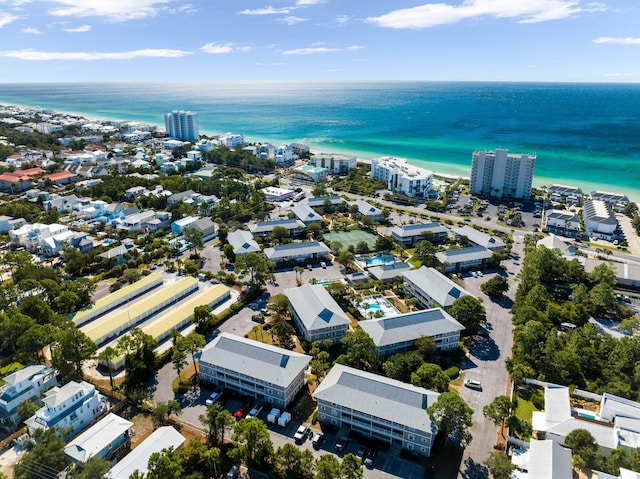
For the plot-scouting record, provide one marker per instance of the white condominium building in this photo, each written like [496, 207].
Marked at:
[402, 177]
[378, 407]
[499, 174]
[182, 125]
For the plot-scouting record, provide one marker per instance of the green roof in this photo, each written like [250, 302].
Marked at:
[99, 329]
[171, 319]
[113, 298]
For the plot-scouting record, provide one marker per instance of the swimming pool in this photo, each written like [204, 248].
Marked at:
[378, 259]
[377, 306]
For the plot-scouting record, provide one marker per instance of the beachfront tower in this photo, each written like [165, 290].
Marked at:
[402, 177]
[499, 174]
[182, 125]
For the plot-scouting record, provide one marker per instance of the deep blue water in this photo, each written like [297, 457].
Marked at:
[584, 134]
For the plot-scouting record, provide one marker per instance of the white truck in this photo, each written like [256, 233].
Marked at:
[284, 419]
[273, 415]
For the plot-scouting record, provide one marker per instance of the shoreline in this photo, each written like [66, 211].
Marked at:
[446, 170]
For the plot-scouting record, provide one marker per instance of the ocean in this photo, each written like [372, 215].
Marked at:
[586, 135]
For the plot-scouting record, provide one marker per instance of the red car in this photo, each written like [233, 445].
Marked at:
[241, 412]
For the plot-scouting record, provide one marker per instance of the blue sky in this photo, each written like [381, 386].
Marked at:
[209, 40]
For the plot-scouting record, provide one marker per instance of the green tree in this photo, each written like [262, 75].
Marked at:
[256, 445]
[469, 312]
[495, 287]
[430, 376]
[46, 455]
[194, 237]
[164, 465]
[384, 243]
[26, 409]
[425, 252]
[293, 463]
[163, 410]
[359, 351]
[69, 350]
[202, 315]
[603, 273]
[140, 359]
[362, 247]
[31, 344]
[179, 359]
[313, 230]
[498, 410]
[192, 344]
[401, 366]
[279, 304]
[345, 258]
[216, 419]
[602, 299]
[279, 232]
[94, 468]
[453, 418]
[255, 265]
[499, 465]
[107, 355]
[351, 467]
[584, 448]
[328, 467]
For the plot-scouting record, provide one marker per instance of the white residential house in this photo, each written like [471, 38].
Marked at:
[397, 334]
[316, 314]
[73, 406]
[284, 155]
[316, 174]
[106, 439]
[377, 407]
[25, 384]
[8, 223]
[261, 371]
[165, 437]
[402, 177]
[431, 288]
[266, 151]
[543, 460]
[194, 155]
[36, 237]
[562, 222]
[231, 141]
[571, 195]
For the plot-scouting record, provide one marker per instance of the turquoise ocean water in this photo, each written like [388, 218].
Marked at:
[584, 134]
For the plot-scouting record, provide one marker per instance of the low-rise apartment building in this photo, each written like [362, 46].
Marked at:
[431, 288]
[377, 407]
[464, 258]
[242, 243]
[267, 373]
[316, 314]
[337, 164]
[309, 250]
[408, 235]
[562, 222]
[599, 219]
[398, 334]
[476, 237]
[106, 439]
[265, 228]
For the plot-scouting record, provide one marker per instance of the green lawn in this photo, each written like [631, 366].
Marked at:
[526, 398]
[8, 369]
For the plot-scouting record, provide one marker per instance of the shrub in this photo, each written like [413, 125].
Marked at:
[453, 372]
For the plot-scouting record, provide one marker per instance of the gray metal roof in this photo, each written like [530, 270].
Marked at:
[97, 438]
[281, 251]
[378, 396]
[315, 307]
[242, 242]
[367, 209]
[440, 288]
[162, 438]
[417, 229]
[305, 213]
[612, 406]
[410, 326]
[479, 237]
[463, 254]
[254, 359]
[267, 226]
[316, 201]
[388, 271]
[549, 460]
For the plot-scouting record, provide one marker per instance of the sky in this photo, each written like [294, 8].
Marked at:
[319, 40]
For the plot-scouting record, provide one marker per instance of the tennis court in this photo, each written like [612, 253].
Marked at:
[350, 238]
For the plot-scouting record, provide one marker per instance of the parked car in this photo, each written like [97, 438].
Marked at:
[233, 472]
[341, 443]
[301, 433]
[241, 411]
[213, 398]
[370, 458]
[361, 452]
[255, 410]
[318, 437]
[473, 384]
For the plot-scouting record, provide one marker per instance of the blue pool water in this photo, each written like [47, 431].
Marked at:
[379, 259]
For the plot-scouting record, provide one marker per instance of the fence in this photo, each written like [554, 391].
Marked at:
[573, 392]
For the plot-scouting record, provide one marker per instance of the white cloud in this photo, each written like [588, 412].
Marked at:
[619, 75]
[342, 18]
[618, 40]
[266, 11]
[217, 48]
[291, 20]
[114, 10]
[32, 30]
[526, 11]
[6, 19]
[307, 3]
[80, 29]
[37, 55]
[314, 50]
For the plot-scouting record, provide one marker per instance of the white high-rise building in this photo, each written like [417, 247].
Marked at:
[182, 125]
[499, 174]
[402, 177]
